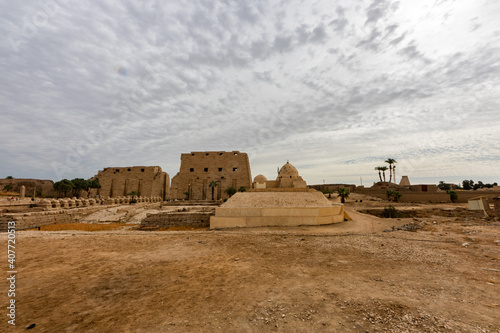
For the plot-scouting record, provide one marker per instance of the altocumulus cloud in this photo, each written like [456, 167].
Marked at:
[334, 87]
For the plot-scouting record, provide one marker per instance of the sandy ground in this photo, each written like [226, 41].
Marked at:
[347, 277]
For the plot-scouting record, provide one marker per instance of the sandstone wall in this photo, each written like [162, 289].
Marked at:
[198, 169]
[333, 187]
[171, 219]
[438, 196]
[146, 181]
[43, 187]
[424, 188]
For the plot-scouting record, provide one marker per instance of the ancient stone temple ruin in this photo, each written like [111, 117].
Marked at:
[145, 181]
[200, 172]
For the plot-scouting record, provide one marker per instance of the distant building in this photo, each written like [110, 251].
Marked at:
[33, 187]
[404, 181]
[288, 177]
[424, 188]
[145, 181]
[199, 169]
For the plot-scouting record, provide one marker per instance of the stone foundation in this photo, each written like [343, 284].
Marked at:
[175, 219]
[277, 208]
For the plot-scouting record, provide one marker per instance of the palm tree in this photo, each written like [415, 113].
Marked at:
[383, 169]
[212, 184]
[393, 195]
[397, 195]
[230, 191]
[390, 195]
[329, 192]
[343, 193]
[379, 174]
[391, 161]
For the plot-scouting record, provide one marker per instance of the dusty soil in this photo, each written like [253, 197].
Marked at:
[347, 277]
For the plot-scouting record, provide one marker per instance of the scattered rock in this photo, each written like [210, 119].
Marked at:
[409, 227]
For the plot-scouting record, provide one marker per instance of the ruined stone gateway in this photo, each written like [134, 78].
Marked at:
[146, 181]
[199, 169]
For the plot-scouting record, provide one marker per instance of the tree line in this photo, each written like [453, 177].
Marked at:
[465, 185]
[392, 169]
[76, 186]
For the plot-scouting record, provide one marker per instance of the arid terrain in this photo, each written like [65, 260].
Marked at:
[440, 272]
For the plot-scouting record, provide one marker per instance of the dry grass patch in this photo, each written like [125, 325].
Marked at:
[83, 226]
[183, 228]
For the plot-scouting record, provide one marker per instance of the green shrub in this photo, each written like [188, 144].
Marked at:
[453, 196]
[393, 195]
[390, 212]
[230, 191]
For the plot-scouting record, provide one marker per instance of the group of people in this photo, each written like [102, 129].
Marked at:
[10, 199]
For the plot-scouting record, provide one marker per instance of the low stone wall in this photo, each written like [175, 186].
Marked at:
[293, 189]
[174, 219]
[190, 203]
[426, 197]
[333, 187]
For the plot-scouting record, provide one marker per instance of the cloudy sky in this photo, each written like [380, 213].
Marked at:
[336, 87]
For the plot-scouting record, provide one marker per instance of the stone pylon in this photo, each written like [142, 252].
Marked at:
[404, 181]
[23, 192]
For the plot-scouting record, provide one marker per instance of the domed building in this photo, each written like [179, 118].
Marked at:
[288, 177]
[259, 182]
[285, 201]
